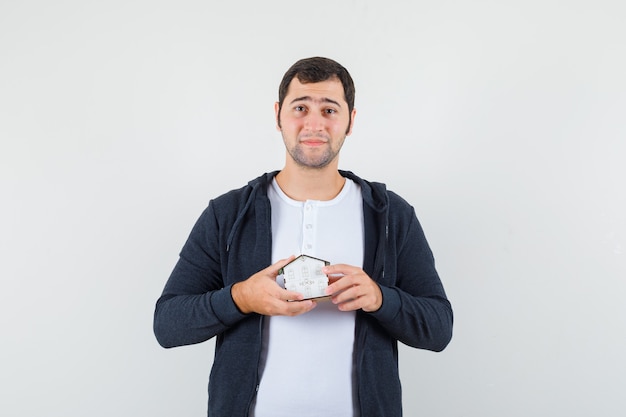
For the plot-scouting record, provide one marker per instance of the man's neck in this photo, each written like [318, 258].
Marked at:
[303, 184]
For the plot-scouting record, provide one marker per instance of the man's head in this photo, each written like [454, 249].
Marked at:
[315, 112]
[314, 70]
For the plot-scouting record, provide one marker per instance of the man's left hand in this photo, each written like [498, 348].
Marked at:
[352, 289]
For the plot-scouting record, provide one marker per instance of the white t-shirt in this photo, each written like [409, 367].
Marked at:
[306, 364]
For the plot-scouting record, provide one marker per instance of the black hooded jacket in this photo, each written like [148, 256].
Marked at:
[232, 241]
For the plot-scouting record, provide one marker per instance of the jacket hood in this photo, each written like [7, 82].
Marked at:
[374, 193]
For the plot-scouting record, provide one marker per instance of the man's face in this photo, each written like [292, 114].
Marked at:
[314, 122]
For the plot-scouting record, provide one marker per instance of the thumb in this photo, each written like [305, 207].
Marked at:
[278, 265]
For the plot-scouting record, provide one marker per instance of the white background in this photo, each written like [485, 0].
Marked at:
[502, 122]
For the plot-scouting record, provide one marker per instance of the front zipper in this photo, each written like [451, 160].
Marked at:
[257, 380]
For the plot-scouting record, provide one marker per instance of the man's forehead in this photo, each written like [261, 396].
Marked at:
[328, 90]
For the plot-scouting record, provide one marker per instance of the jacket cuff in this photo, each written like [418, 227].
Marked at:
[390, 306]
[224, 307]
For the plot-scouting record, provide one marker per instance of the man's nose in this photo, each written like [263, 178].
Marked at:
[314, 122]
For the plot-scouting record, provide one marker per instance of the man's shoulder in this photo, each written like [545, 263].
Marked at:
[239, 197]
[397, 200]
[377, 194]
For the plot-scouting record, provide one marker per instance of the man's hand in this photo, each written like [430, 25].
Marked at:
[352, 289]
[261, 294]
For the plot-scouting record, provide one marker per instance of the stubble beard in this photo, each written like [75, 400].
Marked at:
[314, 159]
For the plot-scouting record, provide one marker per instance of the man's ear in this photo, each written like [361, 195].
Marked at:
[352, 117]
[277, 115]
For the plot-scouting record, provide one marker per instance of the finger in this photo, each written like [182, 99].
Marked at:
[287, 295]
[279, 264]
[276, 266]
[366, 297]
[341, 284]
[350, 305]
[342, 296]
[300, 307]
[339, 269]
[289, 308]
[349, 288]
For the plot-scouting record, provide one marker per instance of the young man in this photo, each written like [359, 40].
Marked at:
[278, 354]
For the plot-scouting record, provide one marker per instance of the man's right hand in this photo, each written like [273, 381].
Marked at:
[261, 294]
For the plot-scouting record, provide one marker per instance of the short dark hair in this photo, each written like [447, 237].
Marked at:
[315, 70]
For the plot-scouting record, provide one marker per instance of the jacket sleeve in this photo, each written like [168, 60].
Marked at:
[195, 304]
[415, 309]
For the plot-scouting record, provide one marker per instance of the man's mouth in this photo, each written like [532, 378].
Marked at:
[313, 142]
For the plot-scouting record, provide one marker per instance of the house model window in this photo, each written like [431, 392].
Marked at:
[304, 275]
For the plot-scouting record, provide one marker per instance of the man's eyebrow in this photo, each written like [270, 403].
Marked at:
[322, 100]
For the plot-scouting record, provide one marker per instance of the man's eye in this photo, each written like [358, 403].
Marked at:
[299, 108]
[330, 111]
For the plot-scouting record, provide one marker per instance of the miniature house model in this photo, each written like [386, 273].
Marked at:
[304, 275]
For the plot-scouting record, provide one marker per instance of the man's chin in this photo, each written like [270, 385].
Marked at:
[313, 162]
[313, 165]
